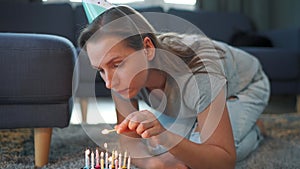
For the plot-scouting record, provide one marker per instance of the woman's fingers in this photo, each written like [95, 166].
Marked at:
[150, 132]
[122, 127]
[143, 122]
[142, 127]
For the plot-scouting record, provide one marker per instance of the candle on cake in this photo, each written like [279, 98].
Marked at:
[128, 162]
[116, 160]
[106, 156]
[97, 159]
[102, 160]
[120, 160]
[86, 157]
[124, 161]
[92, 160]
[106, 160]
[110, 162]
[112, 159]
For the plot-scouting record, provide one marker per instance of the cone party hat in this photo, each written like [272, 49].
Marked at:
[94, 8]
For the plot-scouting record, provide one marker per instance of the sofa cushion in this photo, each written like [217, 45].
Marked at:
[216, 25]
[54, 19]
[278, 63]
[150, 9]
[80, 20]
[284, 38]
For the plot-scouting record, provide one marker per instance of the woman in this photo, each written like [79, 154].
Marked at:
[205, 96]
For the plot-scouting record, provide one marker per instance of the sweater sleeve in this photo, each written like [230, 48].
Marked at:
[201, 90]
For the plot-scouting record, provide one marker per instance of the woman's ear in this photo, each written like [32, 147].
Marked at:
[149, 48]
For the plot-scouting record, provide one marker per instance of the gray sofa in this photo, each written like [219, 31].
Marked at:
[36, 73]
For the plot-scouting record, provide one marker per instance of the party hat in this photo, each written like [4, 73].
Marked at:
[94, 8]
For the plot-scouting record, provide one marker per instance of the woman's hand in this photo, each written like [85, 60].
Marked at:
[144, 123]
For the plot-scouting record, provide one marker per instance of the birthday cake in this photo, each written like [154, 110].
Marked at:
[106, 160]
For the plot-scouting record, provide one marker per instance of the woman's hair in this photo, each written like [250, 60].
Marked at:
[122, 21]
[130, 25]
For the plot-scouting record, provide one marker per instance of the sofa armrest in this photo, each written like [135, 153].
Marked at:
[35, 68]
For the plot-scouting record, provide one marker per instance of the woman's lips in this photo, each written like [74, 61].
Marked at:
[124, 91]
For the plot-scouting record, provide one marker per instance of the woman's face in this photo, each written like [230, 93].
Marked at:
[123, 69]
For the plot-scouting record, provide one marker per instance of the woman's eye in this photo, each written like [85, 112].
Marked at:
[116, 65]
[101, 70]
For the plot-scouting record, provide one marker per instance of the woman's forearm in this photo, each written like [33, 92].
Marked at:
[202, 155]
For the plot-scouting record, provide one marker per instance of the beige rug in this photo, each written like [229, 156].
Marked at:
[280, 149]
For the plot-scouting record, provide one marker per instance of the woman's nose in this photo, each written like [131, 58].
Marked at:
[107, 81]
[107, 84]
[110, 80]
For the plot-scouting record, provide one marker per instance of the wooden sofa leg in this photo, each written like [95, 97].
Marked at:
[298, 104]
[42, 140]
[83, 106]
